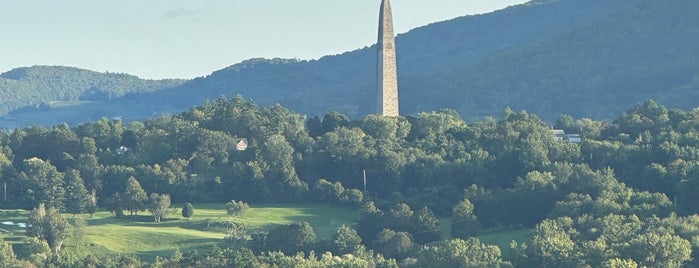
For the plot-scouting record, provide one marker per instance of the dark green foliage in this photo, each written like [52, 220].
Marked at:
[346, 240]
[370, 221]
[48, 225]
[237, 208]
[7, 255]
[466, 64]
[292, 238]
[400, 217]
[43, 183]
[134, 197]
[77, 198]
[426, 226]
[34, 249]
[187, 210]
[159, 205]
[460, 253]
[115, 204]
[588, 202]
[464, 223]
[79, 225]
[40, 88]
[659, 250]
[330, 192]
[333, 120]
[394, 244]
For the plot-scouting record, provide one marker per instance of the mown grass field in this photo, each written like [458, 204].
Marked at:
[503, 238]
[499, 237]
[12, 232]
[140, 235]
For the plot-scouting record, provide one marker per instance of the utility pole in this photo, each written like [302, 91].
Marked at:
[364, 172]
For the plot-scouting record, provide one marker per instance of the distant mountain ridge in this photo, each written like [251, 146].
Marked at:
[40, 87]
[592, 58]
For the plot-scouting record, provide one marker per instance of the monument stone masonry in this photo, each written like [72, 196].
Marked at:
[387, 75]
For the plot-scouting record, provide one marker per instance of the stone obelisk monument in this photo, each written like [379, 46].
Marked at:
[387, 76]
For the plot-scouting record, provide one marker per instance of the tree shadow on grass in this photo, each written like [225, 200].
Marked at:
[123, 220]
[202, 245]
[146, 221]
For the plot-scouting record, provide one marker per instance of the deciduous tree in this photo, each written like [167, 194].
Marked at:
[236, 208]
[48, 225]
[7, 255]
[79, 225]
[159, 206]
[346, 240]
[292, 238]
[460, 253]
[464, 223]
[134, 196]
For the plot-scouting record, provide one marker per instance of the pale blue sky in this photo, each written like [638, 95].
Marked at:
[188, 38]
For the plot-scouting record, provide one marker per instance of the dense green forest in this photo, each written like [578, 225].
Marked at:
[44, 87]
[622, 197]
[588, 59]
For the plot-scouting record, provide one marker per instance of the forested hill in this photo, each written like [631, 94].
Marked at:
[584, 58]
[591, 58]
[30, 89]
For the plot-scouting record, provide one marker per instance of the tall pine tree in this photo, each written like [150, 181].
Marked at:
[77, 197]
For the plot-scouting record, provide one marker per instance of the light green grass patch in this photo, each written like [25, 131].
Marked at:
[150, 239]
[503, 238]
[324, 219]
[13, 233]
[499, 237]
[140, 235]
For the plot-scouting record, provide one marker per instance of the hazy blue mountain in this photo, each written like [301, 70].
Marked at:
[35, 89]
[593, 58]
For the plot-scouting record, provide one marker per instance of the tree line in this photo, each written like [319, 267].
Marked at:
[627, 186]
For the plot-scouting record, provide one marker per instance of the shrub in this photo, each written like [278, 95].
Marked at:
[237, 208]
[187, 210]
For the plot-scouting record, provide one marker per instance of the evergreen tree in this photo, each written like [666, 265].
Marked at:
[187, 210]
[77, 197]
[45, 182]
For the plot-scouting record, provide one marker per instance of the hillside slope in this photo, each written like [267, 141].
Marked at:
[591, 58]
[45, 88]
[436, 64]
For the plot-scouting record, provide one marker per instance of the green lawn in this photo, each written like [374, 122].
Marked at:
[503, 238]
[12, 232]
[147, 239]
[499, 237]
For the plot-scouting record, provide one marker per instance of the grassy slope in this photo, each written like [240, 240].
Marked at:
[147, 239]
[143, 237]
[499, 237]
[12, 233]
[503, 238]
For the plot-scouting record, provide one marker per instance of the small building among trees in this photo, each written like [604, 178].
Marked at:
[560, 135]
